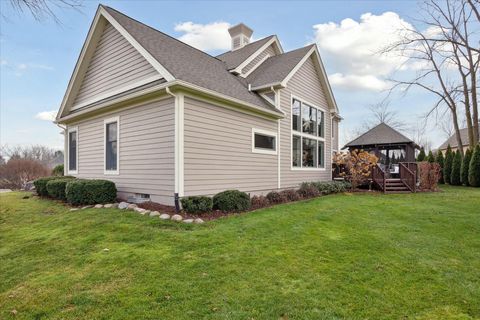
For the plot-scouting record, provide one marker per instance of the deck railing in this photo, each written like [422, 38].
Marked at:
[379, 177]
[408, 175]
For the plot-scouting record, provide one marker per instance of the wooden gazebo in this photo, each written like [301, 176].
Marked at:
[396, 170]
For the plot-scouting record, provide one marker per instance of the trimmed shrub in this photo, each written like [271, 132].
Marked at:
[328, 187]
[41, 184]
[308, 190]
[421, 156]
[474, 168]
[289, 195]
[56, 188]
[58, 170]
[198, 204]
[275, 197]
[259, 202]
[231, 201]
[456, 165]
[447, 168]
[440, 160]
[86, 192]
[465, 167]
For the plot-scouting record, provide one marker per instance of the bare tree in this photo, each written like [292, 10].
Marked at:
[44, 9]
[382, 113]
[42, 154]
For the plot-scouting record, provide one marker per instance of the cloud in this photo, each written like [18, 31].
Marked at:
[46, 115]
[352, 48]
[211, 36]
[358, 82]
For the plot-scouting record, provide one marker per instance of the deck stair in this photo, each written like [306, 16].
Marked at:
[395, 186]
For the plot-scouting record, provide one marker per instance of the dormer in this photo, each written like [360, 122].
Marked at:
[240, 35]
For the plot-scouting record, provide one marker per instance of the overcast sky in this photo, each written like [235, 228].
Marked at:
[37, 58]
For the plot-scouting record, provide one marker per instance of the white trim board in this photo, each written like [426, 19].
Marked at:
[240, 67]
[266, 133]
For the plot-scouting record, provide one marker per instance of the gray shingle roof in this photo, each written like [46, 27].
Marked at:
[275, 69]
[234, 58]
[452, 141]
[381, 134]
[187, 63]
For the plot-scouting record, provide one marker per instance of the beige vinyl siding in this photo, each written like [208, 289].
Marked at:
[305, 85]
[335, 137]
[218, 151]
[115, 64]
[270, 51]
[146, 150]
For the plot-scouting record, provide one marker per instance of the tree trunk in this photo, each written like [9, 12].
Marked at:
[457, 132]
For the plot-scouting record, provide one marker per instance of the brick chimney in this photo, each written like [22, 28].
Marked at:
[240, 35]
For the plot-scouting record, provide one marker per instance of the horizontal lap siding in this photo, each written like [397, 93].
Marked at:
[115, 64]
[218, 151]
[146, 149]
[270, 51]
[306, 85]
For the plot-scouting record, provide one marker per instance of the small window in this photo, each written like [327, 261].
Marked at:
[264, 141]
[111, 145]
[72, 150]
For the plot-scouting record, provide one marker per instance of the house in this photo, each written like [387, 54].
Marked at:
[389, 145]
[452, 141]
[164, 120]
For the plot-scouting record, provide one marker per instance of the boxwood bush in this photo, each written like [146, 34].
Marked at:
[86, 192]
[231, 201]
[56, 188]
[328, 187]
[198, 204]
[41, 184]
[308, 190]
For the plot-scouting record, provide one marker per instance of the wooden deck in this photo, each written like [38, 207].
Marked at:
[405, 183]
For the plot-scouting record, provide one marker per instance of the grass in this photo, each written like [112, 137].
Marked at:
[346, 256]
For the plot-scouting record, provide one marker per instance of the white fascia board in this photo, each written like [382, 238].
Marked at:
[256, 53]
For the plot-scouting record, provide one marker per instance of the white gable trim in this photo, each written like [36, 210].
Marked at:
[256, 66]
[239, 69]
[323, 77]
[88, 49]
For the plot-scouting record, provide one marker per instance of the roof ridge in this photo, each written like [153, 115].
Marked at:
[227, 52]
[166, 34]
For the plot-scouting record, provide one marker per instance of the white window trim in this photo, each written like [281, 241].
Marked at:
[105, 122]
[267, 133]
[307, 135]
[72, 129]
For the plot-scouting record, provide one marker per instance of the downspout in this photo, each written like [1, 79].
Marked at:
[65, 164]
[277, 105]
[175, 194]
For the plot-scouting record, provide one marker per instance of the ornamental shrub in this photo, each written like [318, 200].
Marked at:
[259, 202]
[197, 204]
[275, 197]
[474, 168]
[231, 201]
[308, 190]
[56, 188]
[456, 165]
[447, 167]
[441, 161]
[430, 157]
[289, 195]
[41, 184]
[429, 174]
[421, 155]
[465, 167]
[87, 192]
[58, 170]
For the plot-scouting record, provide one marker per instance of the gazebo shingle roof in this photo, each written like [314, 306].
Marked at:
[380, 134]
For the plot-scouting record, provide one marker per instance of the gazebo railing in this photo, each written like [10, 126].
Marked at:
[379, 177]
[408, 175]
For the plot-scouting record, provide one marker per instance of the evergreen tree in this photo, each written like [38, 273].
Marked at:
[447, 167]
[465, 167]
[456, 165]
[440, 160]
[474, 169]
[430, 157]
[421, 156]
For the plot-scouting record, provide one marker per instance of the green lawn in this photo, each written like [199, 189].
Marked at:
[364, 256]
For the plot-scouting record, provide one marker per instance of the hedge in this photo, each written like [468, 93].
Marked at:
[456, 165]
[87, 192]
[231, 201]
[41, 184]
[465, 167]
[58, 170]
[198, 204]
[56, 188]
[332, 186]
[474, 168]
[447, 168]
[441, 161]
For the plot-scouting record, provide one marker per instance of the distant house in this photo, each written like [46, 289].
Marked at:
[452, 141]
[164, 120]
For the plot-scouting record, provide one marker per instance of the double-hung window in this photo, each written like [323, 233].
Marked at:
[112, 137]
[308, 136]
[72, 147]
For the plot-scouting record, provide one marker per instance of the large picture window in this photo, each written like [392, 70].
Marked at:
[72, 150]
[308, 135]
[111, 145]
